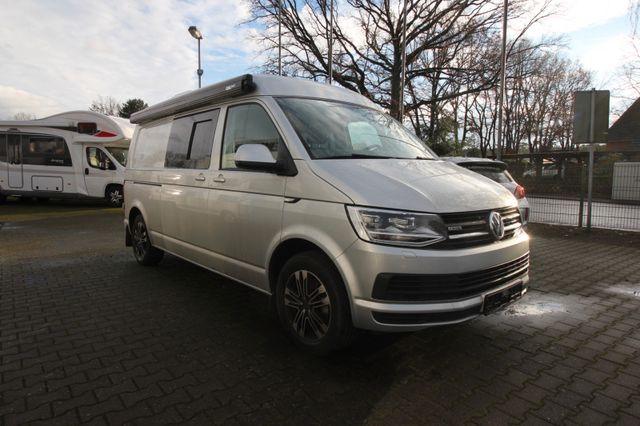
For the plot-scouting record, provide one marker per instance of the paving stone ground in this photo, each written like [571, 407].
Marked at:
[87, 335]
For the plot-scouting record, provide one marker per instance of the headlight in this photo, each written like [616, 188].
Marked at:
[397, 228]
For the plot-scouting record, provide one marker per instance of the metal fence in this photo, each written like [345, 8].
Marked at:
[557, 183]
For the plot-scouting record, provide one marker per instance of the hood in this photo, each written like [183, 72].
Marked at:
[422, 185]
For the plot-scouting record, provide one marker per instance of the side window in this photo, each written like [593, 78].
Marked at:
[248, 124]
[3, 148]
[45, 150]
[150, 146]
[191, 141]
[97, 159]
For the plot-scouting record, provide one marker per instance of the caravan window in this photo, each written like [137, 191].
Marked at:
[191, 141]
[44, 150]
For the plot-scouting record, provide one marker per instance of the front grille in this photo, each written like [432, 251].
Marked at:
[427, 317]
[472, 229]
[423, 288]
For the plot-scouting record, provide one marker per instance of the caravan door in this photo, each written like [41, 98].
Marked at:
[98, 170]
[14, 161]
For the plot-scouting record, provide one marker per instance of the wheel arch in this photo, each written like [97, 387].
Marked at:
[291, 246]
[134, 211]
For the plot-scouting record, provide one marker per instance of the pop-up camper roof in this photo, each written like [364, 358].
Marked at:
[87, 126]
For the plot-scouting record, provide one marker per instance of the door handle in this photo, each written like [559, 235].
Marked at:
[86, 170]
[219, 179]
[200, 178]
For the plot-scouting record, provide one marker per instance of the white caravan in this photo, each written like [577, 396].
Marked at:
[72, 154]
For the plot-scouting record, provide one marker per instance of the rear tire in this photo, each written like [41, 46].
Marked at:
[114, 195]
[313, 305]
[144, 252]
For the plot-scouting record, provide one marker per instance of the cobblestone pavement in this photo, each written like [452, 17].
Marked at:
[87, 335]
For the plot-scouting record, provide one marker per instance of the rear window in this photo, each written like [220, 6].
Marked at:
[492, 173]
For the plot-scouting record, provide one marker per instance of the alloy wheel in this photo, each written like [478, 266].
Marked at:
[307, 305]
[140, 239]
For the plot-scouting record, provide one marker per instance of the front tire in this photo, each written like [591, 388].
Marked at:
[114, 195]
[313, 305]
[144, 252]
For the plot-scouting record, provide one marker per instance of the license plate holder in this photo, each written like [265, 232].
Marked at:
[498, 299]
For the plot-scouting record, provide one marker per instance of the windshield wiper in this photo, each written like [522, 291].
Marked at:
[342, 157]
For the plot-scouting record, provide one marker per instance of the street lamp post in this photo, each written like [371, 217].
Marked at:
[195, 33]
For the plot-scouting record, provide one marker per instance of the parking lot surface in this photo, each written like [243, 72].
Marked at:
[87, 335]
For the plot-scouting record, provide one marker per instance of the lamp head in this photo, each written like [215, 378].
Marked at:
[195, 32]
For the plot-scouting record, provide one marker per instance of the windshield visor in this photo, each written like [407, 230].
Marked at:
[330, 130]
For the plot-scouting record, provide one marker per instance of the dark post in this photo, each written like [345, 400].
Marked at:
[583, 180]
[591, 149]
[200, 72]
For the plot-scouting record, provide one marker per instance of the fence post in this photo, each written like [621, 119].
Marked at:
[583, 178]
[592, 125]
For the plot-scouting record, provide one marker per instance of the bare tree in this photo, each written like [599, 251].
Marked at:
[368, 46]
[105, 105]
[538, 108]
[629, 72]
[24, 116]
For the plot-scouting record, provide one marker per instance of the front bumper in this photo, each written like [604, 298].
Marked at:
[363, 262]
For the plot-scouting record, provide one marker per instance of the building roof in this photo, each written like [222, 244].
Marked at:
[627, 127]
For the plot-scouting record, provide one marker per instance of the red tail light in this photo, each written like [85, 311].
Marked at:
[519, 192]
[103, 134]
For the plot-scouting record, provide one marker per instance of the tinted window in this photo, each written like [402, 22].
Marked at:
[191, 141]
[97, 159]
[45, 150]
[492, 173]
[248, 124]
[3, 148]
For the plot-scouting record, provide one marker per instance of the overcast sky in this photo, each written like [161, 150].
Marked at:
[59, 55]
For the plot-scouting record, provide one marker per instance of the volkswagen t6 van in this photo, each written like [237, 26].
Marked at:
[313, 195]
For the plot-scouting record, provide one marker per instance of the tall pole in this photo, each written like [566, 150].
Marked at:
[279, 37]
[404, 63]
[503, 78]
[195, 33]
[199, 67]
[331, 43]
[591, 155]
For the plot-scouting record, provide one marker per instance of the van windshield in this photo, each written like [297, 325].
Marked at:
[331, 130]
[120, 154]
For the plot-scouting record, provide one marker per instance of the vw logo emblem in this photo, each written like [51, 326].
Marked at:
[496, 225]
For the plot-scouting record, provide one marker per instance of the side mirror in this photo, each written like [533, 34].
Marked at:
[255, 156]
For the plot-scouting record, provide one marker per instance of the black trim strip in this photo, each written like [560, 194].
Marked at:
[138, 182]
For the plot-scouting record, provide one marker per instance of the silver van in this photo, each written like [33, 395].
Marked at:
[313, 195]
